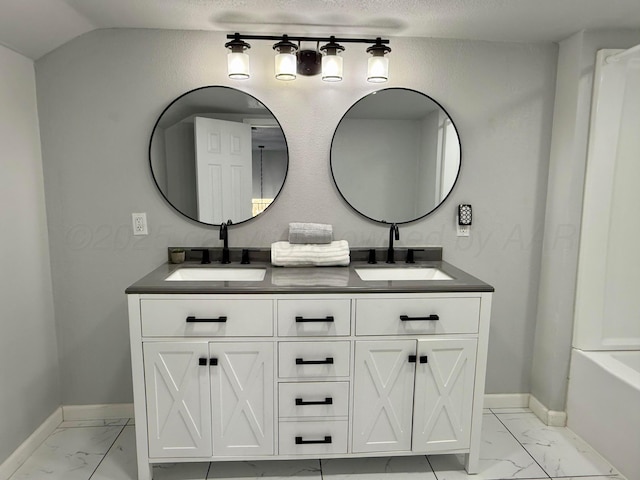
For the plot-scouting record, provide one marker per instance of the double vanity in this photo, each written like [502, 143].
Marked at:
[254, 362]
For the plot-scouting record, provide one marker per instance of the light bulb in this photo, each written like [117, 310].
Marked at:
[332, 68]
[238, 65]
[378, 69]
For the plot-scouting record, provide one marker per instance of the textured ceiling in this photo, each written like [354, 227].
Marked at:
[35, 27]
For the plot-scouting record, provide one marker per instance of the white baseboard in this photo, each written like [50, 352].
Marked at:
[97, 412]
[551, 418]
[506, 400]
[24, 451]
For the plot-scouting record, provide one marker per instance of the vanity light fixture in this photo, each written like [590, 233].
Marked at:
[286, 61]
[237, 59]
[378, 65]
[332, 61]
[290, 60]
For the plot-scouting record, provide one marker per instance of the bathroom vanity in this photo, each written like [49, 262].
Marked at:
[307, 363]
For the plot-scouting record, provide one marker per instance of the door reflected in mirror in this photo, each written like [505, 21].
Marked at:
[395, 155]
[218, 154]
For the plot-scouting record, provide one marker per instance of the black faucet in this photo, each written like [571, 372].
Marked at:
[393, 232]
[224, 236]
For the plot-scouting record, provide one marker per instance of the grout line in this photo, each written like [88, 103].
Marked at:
[523, 447]
[108, 450]
[433, 470]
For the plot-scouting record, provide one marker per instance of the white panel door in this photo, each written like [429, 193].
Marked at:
[242, 398]
[178, 403]
[223, 170]
[443, 394]
[383, 395]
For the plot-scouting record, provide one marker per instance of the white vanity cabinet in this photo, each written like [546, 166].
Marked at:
[319, 375]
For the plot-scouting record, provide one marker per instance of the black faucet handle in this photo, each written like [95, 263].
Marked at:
[410, 254]
[372, 256]
[206, 258]
[245, 257]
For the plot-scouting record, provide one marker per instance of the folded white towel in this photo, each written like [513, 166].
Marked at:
[285, 254]
[310, 233]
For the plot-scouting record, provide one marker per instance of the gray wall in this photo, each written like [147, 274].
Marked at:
[100, 95]
[29, 377]
[554, 328]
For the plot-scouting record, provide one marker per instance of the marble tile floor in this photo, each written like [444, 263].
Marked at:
[515, 445]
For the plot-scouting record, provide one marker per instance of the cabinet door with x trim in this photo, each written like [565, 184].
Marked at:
[413, 395]
[383, 395]
[242, 398]
[178, 401]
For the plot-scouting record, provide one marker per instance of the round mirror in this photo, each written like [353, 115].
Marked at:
[395, 155]
[218, 154]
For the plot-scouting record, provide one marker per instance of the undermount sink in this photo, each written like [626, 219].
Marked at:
[213, 274]
[401, 273]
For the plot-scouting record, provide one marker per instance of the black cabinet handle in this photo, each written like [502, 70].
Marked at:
[206, 320]
[424, 359]
[213, 361]
[326, 361]
[412, 359]
[300, 441]
[328, 318]
[202, 362]
[406, 318]
[326, 401]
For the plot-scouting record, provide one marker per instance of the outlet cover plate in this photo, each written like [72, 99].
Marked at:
[139, 223]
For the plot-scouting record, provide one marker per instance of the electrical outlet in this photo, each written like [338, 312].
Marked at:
[139, 223]
[462, 230]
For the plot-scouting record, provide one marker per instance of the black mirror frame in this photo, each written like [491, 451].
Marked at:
[385, 222]
[153, 131]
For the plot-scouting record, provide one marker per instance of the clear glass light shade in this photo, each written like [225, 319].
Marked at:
[378, 69]
[238, 65]
[286, 64]
[332, 68]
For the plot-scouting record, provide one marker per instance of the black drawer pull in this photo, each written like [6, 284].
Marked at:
[407, 318]
[300, 441]
[424, 359]
[206, 320]
[328, 318]
[202, 362]
[326, 401]
[326, 361]
[213, 361]
[412, 359]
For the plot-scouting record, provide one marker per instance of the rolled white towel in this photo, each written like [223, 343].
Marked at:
[285, 254]
[318, 233]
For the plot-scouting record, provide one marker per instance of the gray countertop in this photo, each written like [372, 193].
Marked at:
[308, 280]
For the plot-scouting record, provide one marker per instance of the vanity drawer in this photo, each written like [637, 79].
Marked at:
[407, 316]
[313, 359]
[314, 437]
[317, 399]
[206, 318]
[318, 317]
